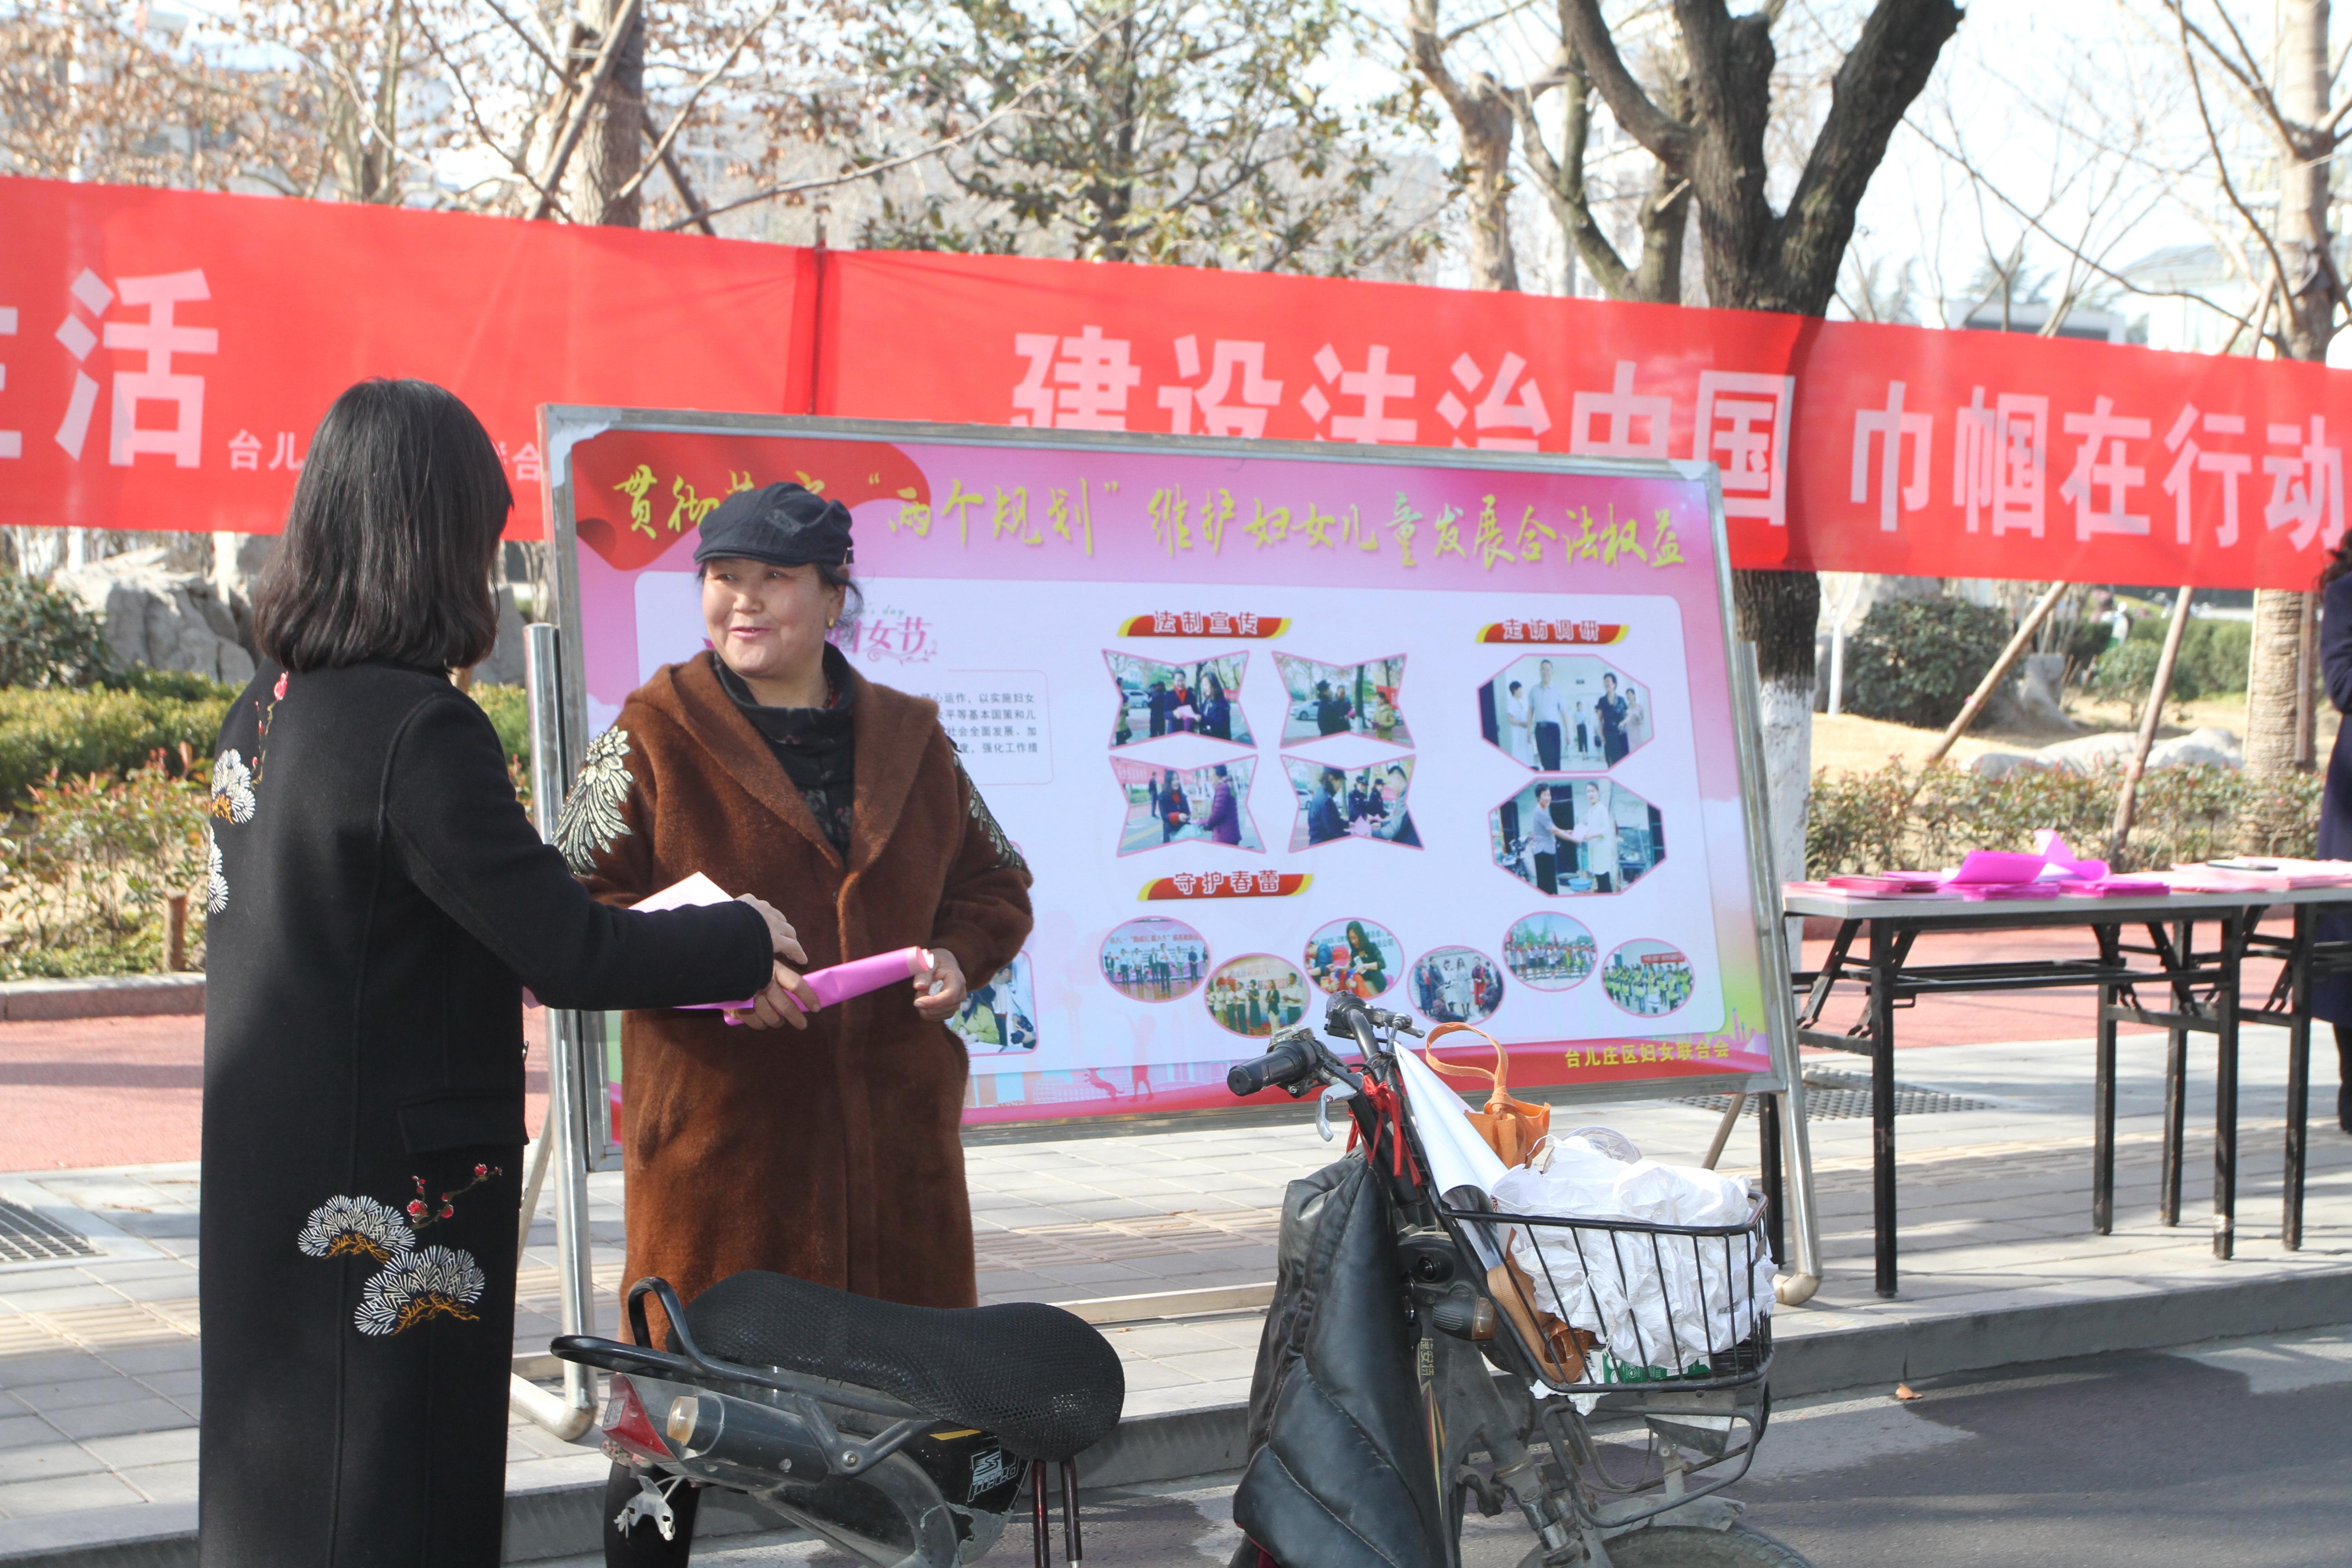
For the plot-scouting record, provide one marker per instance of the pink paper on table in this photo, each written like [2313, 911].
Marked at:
[2062, 859]
[1984, 866]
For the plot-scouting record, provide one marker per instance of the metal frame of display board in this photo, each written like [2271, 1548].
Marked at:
[577, 1041]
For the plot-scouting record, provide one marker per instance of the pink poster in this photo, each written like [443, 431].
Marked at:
[1451, 731]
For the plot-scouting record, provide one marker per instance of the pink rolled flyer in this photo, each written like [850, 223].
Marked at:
[838, 983]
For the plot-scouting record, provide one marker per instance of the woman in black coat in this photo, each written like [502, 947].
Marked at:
[2331, 997]
[377, 900]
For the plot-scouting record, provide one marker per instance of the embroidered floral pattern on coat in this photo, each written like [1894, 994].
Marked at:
[431, 1282]
[414, 1283]
[215, 875]
[590, 819]
[341, 1226]
[231, 788]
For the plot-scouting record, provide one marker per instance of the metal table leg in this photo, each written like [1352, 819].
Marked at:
[2234, 926]
[2176, 1077]
[2298, 1071]
[1885, 948]
[2103, 1135]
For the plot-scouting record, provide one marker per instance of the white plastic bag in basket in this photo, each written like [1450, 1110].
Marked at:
[1655, 1300]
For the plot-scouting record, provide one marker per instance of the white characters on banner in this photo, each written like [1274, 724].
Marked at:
[12, 442]
[1225, 409]
[2305, 483]
[1375, 386]
[1073, 384]
[245, 452]
[1637, 426]
[2100, 464]
[159, 381]
[2190, 456]
[1509, 405]
[2001, 465]
[1890, 428]
[1743, 425]
[525, 463]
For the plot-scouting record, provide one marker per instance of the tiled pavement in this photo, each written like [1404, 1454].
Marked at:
[99, 1394]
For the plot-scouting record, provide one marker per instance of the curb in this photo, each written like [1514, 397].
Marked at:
[559, 1516]
[111, 996]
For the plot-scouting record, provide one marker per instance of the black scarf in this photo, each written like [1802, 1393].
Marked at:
[817, 746]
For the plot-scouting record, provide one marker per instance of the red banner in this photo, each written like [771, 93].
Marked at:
[166, 353]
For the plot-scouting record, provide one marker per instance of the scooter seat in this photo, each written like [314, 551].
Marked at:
[1041, 1379]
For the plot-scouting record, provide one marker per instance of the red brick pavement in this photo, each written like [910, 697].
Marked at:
[127, 1091]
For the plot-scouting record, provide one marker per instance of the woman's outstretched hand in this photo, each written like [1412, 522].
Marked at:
[940, 989]
[788, 999]
[781, 935]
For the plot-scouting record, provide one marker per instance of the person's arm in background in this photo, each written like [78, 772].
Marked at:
[467, 842]
[2335, 642]
[983, 915]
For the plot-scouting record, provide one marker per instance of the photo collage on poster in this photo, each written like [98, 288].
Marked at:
[1572, 832]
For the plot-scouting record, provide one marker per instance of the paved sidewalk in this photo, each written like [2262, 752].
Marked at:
[99, 1391]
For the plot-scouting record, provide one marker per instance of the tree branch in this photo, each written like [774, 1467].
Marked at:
[1669, 140]
[1873, 89]
[2221, 161]
[607, 55]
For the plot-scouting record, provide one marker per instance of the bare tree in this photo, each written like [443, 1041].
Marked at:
[1484, 117]
[1661, 216]
[2264, 119]
[1755, 258]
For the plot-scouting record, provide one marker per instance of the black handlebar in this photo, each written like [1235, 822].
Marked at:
[1285, 1067]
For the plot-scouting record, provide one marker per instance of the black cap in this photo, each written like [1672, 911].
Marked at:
[781, 523]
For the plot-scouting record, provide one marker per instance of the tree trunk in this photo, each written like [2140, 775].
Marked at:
[2309, 295]
[2271, 676]
[1485, 116]
[1779, 612]
[613, 147]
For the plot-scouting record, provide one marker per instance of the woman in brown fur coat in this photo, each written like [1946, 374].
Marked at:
[832, 1153]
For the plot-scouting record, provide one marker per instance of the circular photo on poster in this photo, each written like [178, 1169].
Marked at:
[1647, 978]
[1456, 985]
[1154, 959]
[1549, 952]
[1361, 958]
[1255, 994]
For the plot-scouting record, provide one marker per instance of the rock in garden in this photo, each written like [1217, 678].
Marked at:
[155, 615]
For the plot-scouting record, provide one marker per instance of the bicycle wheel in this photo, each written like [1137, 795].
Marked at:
[1671, 1546]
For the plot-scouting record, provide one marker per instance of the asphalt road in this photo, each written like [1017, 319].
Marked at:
[2231, 1454]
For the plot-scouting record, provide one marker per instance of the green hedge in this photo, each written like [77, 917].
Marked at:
[115, 730]
[1895, 819]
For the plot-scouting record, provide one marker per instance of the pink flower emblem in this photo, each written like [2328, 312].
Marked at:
[279, 691]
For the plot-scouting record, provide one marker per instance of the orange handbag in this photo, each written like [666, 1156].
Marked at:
[1512, 1128]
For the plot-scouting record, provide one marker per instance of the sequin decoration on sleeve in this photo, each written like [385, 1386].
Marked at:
[431, 1282]
[591, 818]
[1007, 856]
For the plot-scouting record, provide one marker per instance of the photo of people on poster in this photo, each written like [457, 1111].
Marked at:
[1343, 700]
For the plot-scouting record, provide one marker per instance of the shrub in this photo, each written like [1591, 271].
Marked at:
[45, 638]
[2126, 671]
[76, 733]
[84, 883]
[115, 729]
[1894, 819]
[1916, 661]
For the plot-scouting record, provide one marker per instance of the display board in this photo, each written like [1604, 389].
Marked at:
[1458, 732]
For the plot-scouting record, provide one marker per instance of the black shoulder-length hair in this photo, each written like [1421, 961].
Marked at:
[389, 542]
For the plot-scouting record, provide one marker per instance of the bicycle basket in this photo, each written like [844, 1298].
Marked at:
[1667, 1306]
